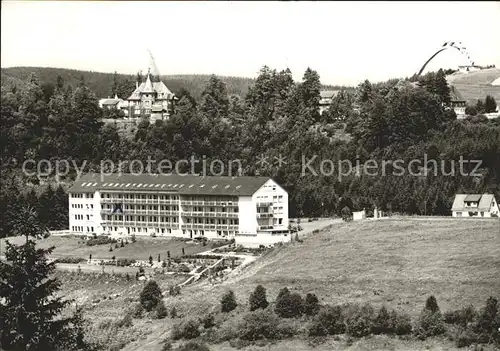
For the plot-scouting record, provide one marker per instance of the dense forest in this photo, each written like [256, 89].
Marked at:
[106, 84]
[393, 120]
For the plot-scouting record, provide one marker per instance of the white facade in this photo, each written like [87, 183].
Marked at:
[259, 218]
[479, 206]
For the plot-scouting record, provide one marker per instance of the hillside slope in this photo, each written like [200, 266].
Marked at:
[476, 85]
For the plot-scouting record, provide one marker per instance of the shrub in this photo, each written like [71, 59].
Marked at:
[99, 240]
[288, 305]
[186, 330]
[465, 337]
[138, 311]
[311, 305]
[182, 268]
[193, 346]
[174, 290]
[124, 262]
[383, 323]
[262, 324]
[161, 310]
[208, 321]
[228, 302]
[70, 260]
[258, 298]
[359, 320]
[126, 321]
[488, 322]
[402, 323]
[167, 346]
[430, 322]
[329, 321]
[150, 295]
[173, 312]
[461, 317]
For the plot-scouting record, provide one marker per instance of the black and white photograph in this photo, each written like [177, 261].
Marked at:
[249, 176]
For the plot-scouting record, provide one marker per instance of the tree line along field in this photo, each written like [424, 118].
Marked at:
[73, 246]
[395, 263]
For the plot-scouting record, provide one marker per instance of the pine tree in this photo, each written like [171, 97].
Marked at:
[150, 296]
[228, 302]
[258, 298]
[31, 312]
[311, 304]
[490, 105]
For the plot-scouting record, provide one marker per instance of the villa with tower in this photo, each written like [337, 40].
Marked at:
[150, 99]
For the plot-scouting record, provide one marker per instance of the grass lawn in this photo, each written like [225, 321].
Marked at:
[398, 263]
[140, 250]
[395, 262]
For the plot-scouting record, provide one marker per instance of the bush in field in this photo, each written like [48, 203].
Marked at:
[383, 323]
[311, 305]
[160, 310]
[430, 322]
[328, 321]
[262, 324]
[150, 295]
[258, 298]
[461, 317]
[193, 346]
[228, 302]
[174, 290]
[173, 312]
[359, 320]
[124, 262]
[100, 240]
[402, 323]
[126, 321]
[138, 311]
[208, 321]
[465, 337]
[188, 329]
[488, 322]
[288, 305]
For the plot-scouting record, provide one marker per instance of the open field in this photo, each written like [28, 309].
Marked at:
[140, 250]
[395, 262]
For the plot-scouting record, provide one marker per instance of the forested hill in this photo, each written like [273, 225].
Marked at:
[101, 83]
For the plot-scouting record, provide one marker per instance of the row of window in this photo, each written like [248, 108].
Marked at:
[142, 207]
[78, 228]
[153, 219]
[211, 221]
[139, 196]
[210, 209]
[81, 217]
[82, 196]
[87, 206]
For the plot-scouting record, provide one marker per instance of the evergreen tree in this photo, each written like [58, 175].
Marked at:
[258, 298]
[150, 296]
[490, 105]
[311, 304]
[31, 312]
[228, 302]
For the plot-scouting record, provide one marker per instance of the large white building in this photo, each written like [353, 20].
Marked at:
[252, 210]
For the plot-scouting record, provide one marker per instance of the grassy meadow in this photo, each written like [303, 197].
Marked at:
[396, 262]
[140, 250]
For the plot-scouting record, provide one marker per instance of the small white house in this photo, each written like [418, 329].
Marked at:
[475, 205]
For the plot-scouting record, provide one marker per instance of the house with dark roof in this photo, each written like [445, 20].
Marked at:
[150, 99]
[475, 205]
[457, 102]
[251, 210]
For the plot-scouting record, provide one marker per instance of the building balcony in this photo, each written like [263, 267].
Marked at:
[264, 204]
[265, 215]
[210, 214]
[265, 227]
[202, 226]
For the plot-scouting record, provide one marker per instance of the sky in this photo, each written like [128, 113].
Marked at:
[345, 42]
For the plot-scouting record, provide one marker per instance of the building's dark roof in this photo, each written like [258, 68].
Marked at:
[455, 95]
[486, 201]
[473, 198]
[181, 184]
